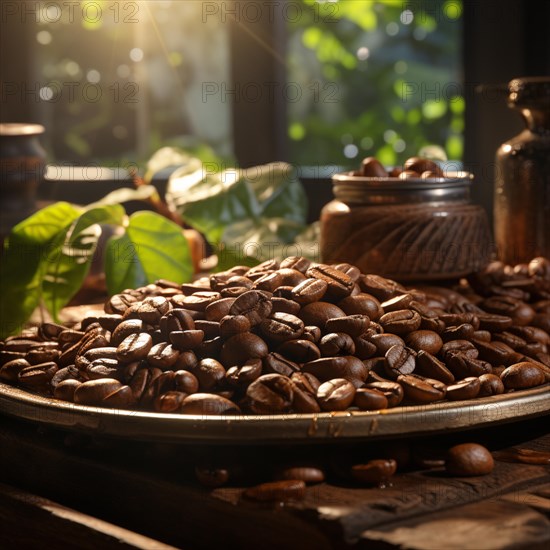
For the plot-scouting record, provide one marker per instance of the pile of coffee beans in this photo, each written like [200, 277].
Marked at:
[413, 168]
[294, 337]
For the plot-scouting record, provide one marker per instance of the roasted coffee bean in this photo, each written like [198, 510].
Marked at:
[421, 390]
[400, 360]
[400, 322]
[284, 292]
[337, 344]
[327, 368]
[152, 309]
[493, 322]
[210, 373]
[163, 356]
[312, 333]
[509, 339]
[185, 340]
[431, 367]
[119, 399]
[351, 271]
[281, 327]
[211, 329]
[218, 309]
[521, 313]
[134, 347]
[336, 394]
[270, 394]
[252, 304]
[531, 334]
[460, 332]
[185, 382]
[457, 319]
[234, 324]
[169, 402]
[385, 341]
[245, 375]
[65, 389]
[372, 168]
[10, 371]
[98, 338]
[369, 399]
[309, 291]
[50, 331]
[522, 375]
[119, 303]
[66, 373]
[197, 301]
[276, 363]
[94, 392]
[397, 303]
[463, 346]
[277, 491]
[381, 288]
[374, 472]
[468, 388]
[307, 473]
[283, 305]
[482, 335]
[392, 391]
[240, 348]
[354, 325]
[462, 366]
[298, 263]
[490, 384]
[291, 277]
[469, 459]
[125, 329]
[176, 320]
[37, 376]
[364, 347]
[304, 400]
[19, 346]
[300, 351]
[306, 382]
[542, 321]
[318, 313]
[339, 286]
[421, 165]
[426, 340]
[361, 304]
[496, 353]
[104, 368]
[69, 337]
[269, 281]
[39, 355]
[357, 371]
[206, 404]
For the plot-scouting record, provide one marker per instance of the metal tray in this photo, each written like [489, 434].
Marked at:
[289, 428]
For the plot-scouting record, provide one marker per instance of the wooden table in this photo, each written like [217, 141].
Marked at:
[60, 489]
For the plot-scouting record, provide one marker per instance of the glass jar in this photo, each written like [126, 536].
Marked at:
[522, 177]
[22, 166]
[407, 230]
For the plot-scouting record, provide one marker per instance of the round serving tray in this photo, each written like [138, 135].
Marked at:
[289, 428]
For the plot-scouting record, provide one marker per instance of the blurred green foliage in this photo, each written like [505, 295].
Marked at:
[380, 78]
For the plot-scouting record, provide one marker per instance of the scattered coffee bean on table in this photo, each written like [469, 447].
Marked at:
[295, 337]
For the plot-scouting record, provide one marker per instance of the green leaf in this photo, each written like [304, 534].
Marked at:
[70, 258]
[125, 194]
[24, 262]
[152, 248]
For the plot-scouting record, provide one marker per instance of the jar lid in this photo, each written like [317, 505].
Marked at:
[371, 190]
[20, 129]
[530, 90]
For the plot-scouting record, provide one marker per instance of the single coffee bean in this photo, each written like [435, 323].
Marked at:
[392, 391]
[335, 395]
[122, 398]
[306, 382]
[185, 382]
[420, 165]
[364, 347]
[426, 340]
[339, 286]
[521, 313]
[304, 400]
[361, 304]
[374, 472]
[65, 389]
[50, 331]
[421, 390]
[385, 341]
[398, 303]
[469, 459]
[381, 288]
[10, 371]
[37, 376]
[185, 340]
[270, 394]
[240, 348]
[281, 327]
[125, 329]
[233, 324]
[300, 351]
[468, 388]
[298, 263]
[119, 303]
[328, 368]
[169, 402]
[354, 325]
[134, 347]
[318, 313]
[496, 353]
[210, 373]
[369, 399]
[312, 333]
[493, 322]
[197, 301]
[490, 384]
[400, 360]
[218, 309]
[277, 491]
[211, 329]
[531, 334]
[163, 356]
[308, 474]
[243, 376]
[252, 304]
[457, 319]
[94, 392]
[283, 305]
[309, 291]
[464, 346]
[152, 309]
[269, 281]
[104, 368]
[465, 331]
[431, 367]
[372, 168]
[522, 375]
[400, 322]
[337, 344]
[206, 404]
[462, 366]
[276, 363]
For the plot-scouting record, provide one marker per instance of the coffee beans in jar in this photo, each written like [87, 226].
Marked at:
[295, 337]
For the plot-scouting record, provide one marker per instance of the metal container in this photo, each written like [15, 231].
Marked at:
[407, 230]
